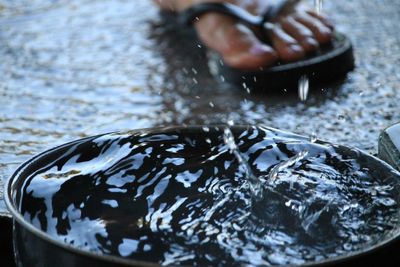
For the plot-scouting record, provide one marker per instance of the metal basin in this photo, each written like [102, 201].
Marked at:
[50, 252]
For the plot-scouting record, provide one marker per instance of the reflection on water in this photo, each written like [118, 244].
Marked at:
[76, 68]
[170, 196]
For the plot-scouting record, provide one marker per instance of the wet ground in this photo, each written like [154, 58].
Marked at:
[74, 68]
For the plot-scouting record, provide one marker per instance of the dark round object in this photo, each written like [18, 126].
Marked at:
[33, 247]
[329, 64]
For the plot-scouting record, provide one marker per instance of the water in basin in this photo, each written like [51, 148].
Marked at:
[181, 196]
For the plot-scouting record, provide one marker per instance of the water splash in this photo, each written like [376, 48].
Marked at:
[309, 219]
[313, 137]
[303, 87]
[273, 174]
[205, 129]
[230, 122]
[202, 207]
[253, 182]
[245, 86]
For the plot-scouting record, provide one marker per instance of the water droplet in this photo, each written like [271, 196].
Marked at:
[244, 85]
[303, 87]
[313, 137]
[206, 129]
[377, 84]
[211, 104]
[195, 81]
[230, 122]
[230, 140]
[341, 118]
[194, 70]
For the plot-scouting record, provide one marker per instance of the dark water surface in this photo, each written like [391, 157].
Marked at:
[76, 68]
[180, 196]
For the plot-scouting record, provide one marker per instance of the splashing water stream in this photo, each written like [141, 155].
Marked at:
[303, 87]
[273, 175]
[253, 181]
[318, 6]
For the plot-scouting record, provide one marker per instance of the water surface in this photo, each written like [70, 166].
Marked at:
[182, 197]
